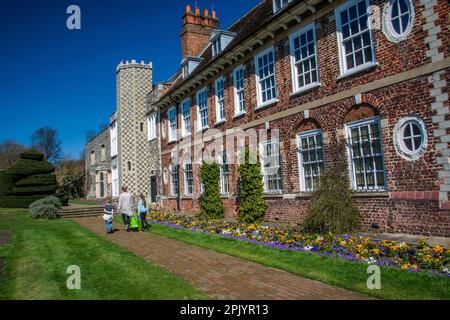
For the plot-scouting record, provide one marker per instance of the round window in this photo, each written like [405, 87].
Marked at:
[398, 19]
[410, 138]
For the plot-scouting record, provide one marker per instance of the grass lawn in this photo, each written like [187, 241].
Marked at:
[37, 257]
[395, 284]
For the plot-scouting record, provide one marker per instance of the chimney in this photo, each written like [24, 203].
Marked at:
[196, 31]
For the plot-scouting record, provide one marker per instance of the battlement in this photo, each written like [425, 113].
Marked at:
[133, 63]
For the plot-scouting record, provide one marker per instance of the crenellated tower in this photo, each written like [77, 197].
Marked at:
[134, 82]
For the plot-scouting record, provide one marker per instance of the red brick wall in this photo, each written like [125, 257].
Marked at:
[404, 208]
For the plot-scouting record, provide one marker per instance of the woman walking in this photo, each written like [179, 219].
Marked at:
[142, 210]
[125, 208]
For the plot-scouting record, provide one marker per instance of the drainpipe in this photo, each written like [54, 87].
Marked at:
[178, 153]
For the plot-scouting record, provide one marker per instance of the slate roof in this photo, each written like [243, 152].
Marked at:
[245, 28]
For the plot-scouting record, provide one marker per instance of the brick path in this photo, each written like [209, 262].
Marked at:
[219, 275]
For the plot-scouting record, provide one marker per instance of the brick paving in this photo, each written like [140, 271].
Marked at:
[219, 275]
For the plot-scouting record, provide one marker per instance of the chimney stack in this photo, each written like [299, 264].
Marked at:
[196, 31]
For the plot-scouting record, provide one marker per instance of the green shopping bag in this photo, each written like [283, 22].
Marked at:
[134, 223]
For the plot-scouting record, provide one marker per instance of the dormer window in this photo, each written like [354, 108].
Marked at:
[188, 64]
[280, 4]
[216, 46]
[220, 39]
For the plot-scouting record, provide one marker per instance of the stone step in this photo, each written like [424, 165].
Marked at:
[82, 211]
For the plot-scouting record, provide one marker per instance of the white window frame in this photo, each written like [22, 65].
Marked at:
[172, 127]
[260, 103]
[237, 91]
[262, 154]
[184, 119]
[220, 102]
[224, 182]
[217, 46]
[199, 119]
[300, 136]
[295, 83]
[399, 143]
[115, 180]
[186, 193]
[342, 59]
[352, 169]
[173, 190]
[113, 133]
[151, 125]
[283, 3]
[388, 28]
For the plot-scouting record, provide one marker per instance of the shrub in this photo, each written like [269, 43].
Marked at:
[211, 206]
[25, 167]
[252, 206]
[37, 180]
[32, 156]
[46, 211]
[332, 207]
[6, 184]
[52, 200]
[35, 190]
[18, 201]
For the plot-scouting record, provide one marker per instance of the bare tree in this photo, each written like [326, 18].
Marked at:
[9, 153]
[46, 141]
[90, 135]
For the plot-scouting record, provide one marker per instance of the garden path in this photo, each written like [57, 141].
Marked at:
[219, 275]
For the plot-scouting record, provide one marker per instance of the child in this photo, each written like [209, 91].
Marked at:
[108, 216]
[142, 211]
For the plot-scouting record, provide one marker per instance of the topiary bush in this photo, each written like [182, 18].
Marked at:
[46, 211]
[52, 200]
[332, 207]
[27, 180]
[211, 206]
[38, 180]
[252, 206]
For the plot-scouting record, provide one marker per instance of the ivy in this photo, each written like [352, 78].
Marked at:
[252, 206]
[211, 206]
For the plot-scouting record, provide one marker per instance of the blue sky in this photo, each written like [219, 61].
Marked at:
[65, 79]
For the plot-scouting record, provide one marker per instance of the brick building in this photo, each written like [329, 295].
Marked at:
[294, 78]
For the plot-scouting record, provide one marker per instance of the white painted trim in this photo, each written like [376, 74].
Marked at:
[184, 133]
[342, 61]
[237, 112]
[295, 85]
[170, 133]
[352, 173]
[216, 98]
[199, 120]
[399, 144]
[388, 28]
[301, 171]
[260, 104]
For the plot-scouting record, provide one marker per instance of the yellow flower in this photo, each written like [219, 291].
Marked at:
[438, 249]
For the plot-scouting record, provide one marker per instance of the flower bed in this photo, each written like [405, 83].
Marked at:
[423, 257]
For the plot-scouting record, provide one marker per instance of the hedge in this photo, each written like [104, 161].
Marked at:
[18, 201]
[6, 184]
[25, 167]
[32, 156]
[37, 180]
[35, 190]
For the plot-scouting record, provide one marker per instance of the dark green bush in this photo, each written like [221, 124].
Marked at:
[46, 211]
[37, 180]
[32, 156]
[52, 200]
[252, 206]
[25, 167]
[63, 198]
[18, 201]
[332, 207]
[211, 206]
[6, 184]
[35, 190]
